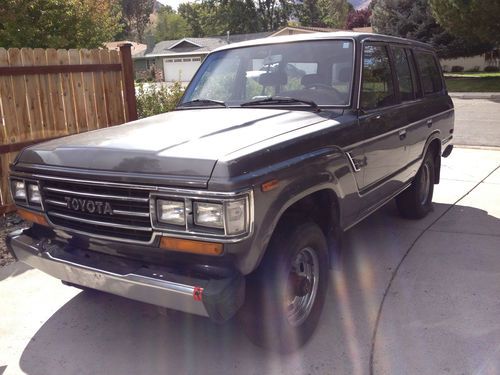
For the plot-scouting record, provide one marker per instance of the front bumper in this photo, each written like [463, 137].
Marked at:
[218, 299]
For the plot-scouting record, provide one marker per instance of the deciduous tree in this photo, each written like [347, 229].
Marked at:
[136, 14]
[57, 23]
[413, 19]
[469, 19]
[358, 18]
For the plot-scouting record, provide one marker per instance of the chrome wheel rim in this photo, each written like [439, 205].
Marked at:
[306, 265]
[425, 183]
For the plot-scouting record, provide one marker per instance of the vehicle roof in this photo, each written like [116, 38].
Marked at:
[325, 36]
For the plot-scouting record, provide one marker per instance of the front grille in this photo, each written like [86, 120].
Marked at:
[120, 213]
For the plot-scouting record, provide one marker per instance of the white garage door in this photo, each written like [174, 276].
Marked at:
[180, 69]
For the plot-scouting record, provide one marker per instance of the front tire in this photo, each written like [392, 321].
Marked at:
[286, 295]
[416, 201]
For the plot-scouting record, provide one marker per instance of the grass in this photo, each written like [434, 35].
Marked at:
[473, 82]
[473, 74]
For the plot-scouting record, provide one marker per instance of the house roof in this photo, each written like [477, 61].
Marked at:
[190, 45]
[303, 29]
[137, 48]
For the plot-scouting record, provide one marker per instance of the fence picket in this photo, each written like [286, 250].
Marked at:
[56, 97]
[10, 130]
[19, 90]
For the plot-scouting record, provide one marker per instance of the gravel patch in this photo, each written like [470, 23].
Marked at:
[8, 223]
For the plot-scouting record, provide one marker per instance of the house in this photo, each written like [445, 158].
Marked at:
[137, 48]
[178, 60]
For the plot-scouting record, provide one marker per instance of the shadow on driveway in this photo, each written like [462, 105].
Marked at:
[100, 333]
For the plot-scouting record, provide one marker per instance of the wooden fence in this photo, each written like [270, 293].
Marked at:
[46, 94]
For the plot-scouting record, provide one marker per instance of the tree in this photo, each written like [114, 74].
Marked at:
[274, 13]
[471, 19]
[323, 13]
[170, 25]
[358, 18]
[216, 17]
[413, 19]
[57, 23]
[136, 14]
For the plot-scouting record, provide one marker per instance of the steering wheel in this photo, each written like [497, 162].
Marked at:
[319, 85]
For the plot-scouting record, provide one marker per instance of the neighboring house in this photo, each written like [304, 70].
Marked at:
[178, 60]
[293, 30]
[137, 48]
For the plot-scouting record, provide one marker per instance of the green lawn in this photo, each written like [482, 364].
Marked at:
[473, 82]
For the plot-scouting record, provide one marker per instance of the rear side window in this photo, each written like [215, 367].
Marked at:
[429, 72]
[403, 72]
[377, 87]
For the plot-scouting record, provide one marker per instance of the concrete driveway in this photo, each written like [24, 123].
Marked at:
[405, 297]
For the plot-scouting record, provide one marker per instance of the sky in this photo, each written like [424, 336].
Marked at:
[172, 3]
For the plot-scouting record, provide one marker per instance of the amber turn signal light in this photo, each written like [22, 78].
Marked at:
[32, 217]
[269, 185]
[190, 246]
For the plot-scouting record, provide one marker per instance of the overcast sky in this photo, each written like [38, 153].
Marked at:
[173, 3]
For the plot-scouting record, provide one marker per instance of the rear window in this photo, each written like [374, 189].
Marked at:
[429, 72]
[403, 72]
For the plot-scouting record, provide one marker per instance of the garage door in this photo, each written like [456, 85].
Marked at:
[180, 69]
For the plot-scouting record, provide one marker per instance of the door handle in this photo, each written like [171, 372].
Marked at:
[402, 134]
[429, 123]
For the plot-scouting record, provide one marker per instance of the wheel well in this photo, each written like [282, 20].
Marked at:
[322, 207]
[435, 149]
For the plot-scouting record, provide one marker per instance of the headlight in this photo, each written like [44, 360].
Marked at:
[34, 194]
[171, 212]
[236, 216]
[209, 215]
[18, 190]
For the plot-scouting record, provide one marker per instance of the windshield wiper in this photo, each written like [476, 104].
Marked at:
[202, 102]
[280, 100]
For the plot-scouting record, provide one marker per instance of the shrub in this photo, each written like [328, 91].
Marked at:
[153, 99]
[457, 69]
[492, 68]
[475, 69]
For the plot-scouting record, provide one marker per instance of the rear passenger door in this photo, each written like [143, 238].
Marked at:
[424, 115]
[381, 120]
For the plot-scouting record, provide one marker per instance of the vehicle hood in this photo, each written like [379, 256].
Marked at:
[179, 143]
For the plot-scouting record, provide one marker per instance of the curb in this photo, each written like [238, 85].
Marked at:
[475, 95]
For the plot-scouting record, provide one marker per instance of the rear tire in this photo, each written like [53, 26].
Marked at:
[416, 201]
[282, 309]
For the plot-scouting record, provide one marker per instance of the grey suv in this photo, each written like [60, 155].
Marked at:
[234, 202]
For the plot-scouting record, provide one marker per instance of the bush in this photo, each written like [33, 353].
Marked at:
[457, 69]
[475, 69]
[153, 99]
[492, 69]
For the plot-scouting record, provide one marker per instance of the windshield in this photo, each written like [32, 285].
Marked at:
[316, 71]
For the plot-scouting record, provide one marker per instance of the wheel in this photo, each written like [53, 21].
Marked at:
[285, 296]
[416, 201]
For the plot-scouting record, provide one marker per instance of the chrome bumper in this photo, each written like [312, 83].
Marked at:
[151, 288]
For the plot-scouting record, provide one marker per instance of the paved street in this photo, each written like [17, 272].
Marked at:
[477, 122]
[438, 281]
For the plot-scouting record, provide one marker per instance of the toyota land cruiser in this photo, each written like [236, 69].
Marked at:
[234, 202]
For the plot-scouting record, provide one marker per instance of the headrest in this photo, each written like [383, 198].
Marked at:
[273, 79]
[310, 79]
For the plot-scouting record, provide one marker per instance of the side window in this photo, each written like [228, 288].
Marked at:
[377, 87]
[403, 73]
[429, 72]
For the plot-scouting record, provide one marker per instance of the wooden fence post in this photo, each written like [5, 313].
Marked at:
[128, 81]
